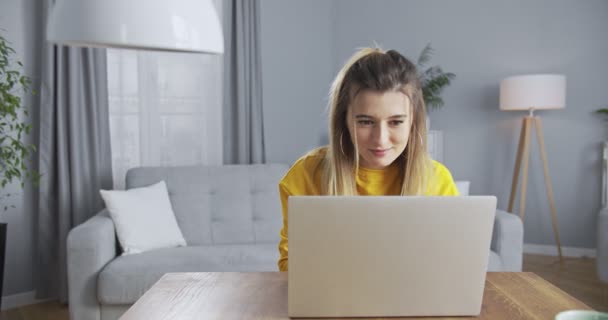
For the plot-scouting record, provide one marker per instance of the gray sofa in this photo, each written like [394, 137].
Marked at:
[230, 217]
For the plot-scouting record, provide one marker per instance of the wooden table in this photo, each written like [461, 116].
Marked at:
[263, 295]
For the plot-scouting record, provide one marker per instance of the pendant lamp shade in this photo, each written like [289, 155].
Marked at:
[168, 25]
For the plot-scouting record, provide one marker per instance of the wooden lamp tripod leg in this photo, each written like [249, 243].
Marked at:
[524, 178]
[515, 180]
[541, 143]
[522, 153]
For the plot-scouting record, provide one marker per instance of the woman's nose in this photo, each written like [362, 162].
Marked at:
[381, 134]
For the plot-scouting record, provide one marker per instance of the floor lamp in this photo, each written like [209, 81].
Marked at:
[530, 93]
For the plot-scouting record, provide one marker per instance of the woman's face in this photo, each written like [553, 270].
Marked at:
[381, 121]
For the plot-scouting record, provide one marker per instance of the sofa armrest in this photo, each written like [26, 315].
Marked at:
[90, 246]
[508, 240]
[602, 245]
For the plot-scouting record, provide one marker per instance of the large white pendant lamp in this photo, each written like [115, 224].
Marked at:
[168, 25]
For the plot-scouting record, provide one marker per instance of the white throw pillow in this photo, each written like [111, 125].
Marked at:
[143, 218]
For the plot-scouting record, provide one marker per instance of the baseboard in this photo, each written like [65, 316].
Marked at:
[20, 300]
[551, 250]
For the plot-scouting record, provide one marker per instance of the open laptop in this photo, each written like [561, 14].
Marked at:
[388, 256]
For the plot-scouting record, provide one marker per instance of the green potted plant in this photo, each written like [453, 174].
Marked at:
[603, 112]
[433, 80]
[14, 153]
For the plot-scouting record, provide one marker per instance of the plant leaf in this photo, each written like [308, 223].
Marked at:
[433, 80]
[425, 56]
[14, 152]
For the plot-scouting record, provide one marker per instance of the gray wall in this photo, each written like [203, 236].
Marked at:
[297, 44]
[19, 20]
[482, 42]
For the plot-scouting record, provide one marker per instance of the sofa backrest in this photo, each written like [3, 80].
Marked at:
[229, 204]
[463, 187]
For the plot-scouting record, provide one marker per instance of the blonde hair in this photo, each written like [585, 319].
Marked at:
[374, 69]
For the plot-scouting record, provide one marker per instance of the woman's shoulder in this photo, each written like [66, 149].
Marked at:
[317, 154]
[439, 168]
[306, 167]
[442, 181]
[311, 159]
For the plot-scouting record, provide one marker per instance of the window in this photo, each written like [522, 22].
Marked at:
[165, 109]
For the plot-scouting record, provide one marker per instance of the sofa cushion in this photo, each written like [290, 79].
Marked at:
[126, 278]
[229, 204]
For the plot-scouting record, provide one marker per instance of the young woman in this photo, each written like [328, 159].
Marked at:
[377, 142]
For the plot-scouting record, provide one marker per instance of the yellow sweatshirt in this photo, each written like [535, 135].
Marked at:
[304, 178]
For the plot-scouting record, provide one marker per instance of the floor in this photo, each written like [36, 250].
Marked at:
[576, 276]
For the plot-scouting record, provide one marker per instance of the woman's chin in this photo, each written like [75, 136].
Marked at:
[378, 163]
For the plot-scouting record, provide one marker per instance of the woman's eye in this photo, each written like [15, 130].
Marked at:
[396, 122]
[365, 122]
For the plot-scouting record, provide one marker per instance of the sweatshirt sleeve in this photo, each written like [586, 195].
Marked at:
[301, 179]
[283, 248]
[443, 183]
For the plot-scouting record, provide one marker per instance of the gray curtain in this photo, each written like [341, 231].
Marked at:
[243, 108]
[74, 156]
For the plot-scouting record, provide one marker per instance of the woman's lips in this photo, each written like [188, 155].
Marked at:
[380, 152]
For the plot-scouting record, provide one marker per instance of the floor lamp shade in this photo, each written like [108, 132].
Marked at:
[169, 25]
[537, 92]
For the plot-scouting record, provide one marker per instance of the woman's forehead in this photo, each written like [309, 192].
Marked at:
[376, 103]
